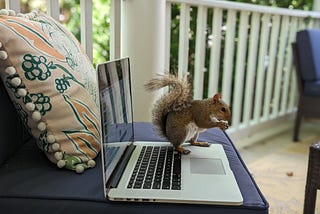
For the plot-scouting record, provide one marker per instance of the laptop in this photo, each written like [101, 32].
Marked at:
[138, 171]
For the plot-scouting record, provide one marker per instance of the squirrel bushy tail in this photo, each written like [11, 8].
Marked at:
[177, 98]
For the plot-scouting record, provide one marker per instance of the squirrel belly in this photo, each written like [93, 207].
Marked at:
[179, 126]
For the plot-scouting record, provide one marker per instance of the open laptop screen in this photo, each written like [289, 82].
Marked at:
[115, 100]
[116, 109]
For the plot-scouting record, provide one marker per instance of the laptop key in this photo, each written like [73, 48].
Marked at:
[137, 185]
[176, 187]
[157, 168]
[156, 185]
[166, 185]
[147, 185]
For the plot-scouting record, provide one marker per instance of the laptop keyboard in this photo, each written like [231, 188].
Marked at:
[158, 167]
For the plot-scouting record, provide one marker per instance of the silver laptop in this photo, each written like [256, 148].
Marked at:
[153, 171]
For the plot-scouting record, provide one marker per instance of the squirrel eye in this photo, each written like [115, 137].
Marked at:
[223, 109]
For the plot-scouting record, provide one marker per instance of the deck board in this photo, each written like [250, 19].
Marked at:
[279, 167]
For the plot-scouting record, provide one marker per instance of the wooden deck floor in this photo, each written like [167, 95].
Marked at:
[279, 167]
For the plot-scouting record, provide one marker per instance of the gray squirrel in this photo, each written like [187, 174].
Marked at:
[179, 118]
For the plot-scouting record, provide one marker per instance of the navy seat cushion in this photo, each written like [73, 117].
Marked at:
[13, 132]
[312, 88]
[308, 43]
[30, 183]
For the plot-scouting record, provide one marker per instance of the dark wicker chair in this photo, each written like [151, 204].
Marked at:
[313, 179]
[306, 51]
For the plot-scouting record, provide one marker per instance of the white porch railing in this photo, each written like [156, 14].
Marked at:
[246, 55]
[253, 70]
[249, 57]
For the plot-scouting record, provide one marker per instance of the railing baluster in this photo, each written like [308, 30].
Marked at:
[264, 41]
[215, 52]
[271, 67]
[228, 56]
[168, 36]
[53, 9]
[279, 69]
[200, 52]
[240, 65]
[311, 23]
[115, 29]
[86, 27]
[289, 71]
[184, 39]
[252, 59]
[13, 5]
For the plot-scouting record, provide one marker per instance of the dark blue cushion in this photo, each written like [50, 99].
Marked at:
[312, 88]
[12, 132]
[308, 43]
[29, 183]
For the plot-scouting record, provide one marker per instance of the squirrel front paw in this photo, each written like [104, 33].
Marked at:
[222, 124]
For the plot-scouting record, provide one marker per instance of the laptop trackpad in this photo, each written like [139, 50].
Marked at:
[206, 166]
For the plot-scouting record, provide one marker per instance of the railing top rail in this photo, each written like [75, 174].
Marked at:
[249, 7]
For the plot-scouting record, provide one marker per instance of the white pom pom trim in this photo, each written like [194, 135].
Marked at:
[58, 155]
[51, 139]
[36, 116]
[30, 106]
[79, 169]
[42, 126]
[12, 13]
[4, 12]
[91, 163]
[16, 81]
[3, 55]
[55, 147]
[22, 92]
[10, 70]
[61, 163]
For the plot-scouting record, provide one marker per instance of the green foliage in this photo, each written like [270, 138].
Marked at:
[101, 31]
[292, 4]
[70, 17]
[101, 25]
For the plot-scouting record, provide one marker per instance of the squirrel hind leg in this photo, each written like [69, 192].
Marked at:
[194, 141]
[183, 150]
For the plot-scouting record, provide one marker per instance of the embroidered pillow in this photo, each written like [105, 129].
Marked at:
[53, 86]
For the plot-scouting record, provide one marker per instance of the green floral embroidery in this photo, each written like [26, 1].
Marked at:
[62, 84]
[42, 102]
[42, 142]
[37, 67]
[70, 60]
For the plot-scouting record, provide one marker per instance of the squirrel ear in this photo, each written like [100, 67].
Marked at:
[216, 97]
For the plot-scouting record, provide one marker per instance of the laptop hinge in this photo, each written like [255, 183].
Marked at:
[116, 176]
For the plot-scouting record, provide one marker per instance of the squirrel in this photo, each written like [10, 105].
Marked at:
[179, 118]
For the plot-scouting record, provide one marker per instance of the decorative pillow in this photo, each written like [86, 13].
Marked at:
[53, 85]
